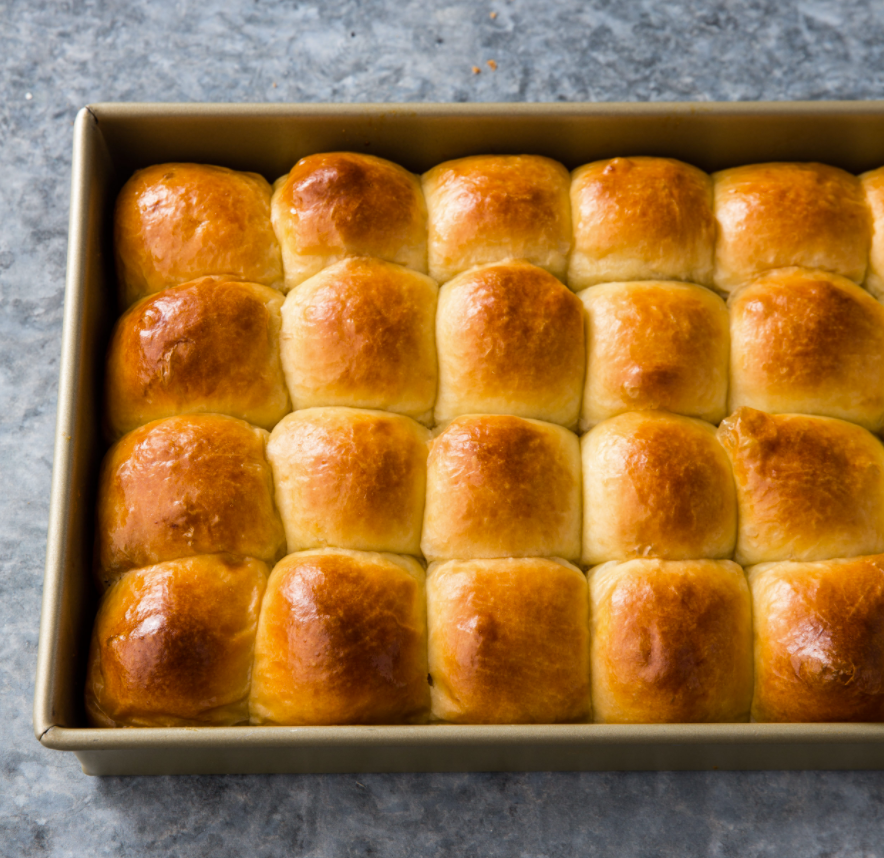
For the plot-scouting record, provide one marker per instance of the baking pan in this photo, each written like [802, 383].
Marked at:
[110, 141]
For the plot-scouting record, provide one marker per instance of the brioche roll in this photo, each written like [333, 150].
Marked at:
[819, 640]
[489, 208]
[808, 488]
[339, 204]
[342, 639]
[173, 644]
[194, 484]
[641, 219]
[510, 340]
[654, 345]
[176, 222]
[502, 486]
[350, 478]
[509, 641]
[873, 190]
[671, 642]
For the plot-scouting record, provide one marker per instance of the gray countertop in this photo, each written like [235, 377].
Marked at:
[56, 57]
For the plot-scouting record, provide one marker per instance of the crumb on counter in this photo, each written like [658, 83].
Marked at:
[477, 70]
[492, 65]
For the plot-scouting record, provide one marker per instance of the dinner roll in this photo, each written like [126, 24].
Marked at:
[173, 644]
[808, 488]
[194, 484]
[509, 641]
[778, 215]
[819, 640]
[656, 485]
[502, 486]
[362, 333]
[641, 219]
[211, 345]
[510, 340]
[350, 478]
[654, 345]
[811, 343]
[488, 208]
[873, 188]
[339, 204]
[671, 642]
[176, 222]
[342, 639]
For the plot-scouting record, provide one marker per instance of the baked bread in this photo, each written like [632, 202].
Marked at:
[211, 345]
[176, 222]
[819, 640]
[808, 342]
[339, 204]
[362, 333]
[173, 644]
[342, 640]
[194, 484]
[779, 215]
[641, 219]
[654, 345]
[671, 642]
[873, 189]
[350, 478]
[509, 641]
[808, 488]
[489, 208]
[502, 486]
[656, 485]
[510, 341]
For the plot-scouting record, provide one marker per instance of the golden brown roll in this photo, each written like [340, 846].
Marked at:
[808, 342]
[808, 488]
[509, 641]
[362, 333]
[654, 345]
[350, 478]
[510, 341]
[819, 640]
[173, 644]
[779, 215]
[656, 485]
[671, 642]
[873, 189]
[502, 486]
[641, 219]
[342, 639]
[207, 346]
[176, 222]
[341, 204]
[488, 208]
[194, 484]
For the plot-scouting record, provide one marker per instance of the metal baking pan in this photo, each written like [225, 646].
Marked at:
[110, 141]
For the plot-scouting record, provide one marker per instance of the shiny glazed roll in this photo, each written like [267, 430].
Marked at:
[177, 222]
[342, 639]
[654, 345]
[785, 214]
[502, 486]
[211, 345]
[671, 642]
[808, 342]
[361, 333]
[873, 189]
[173, 644]
[511, 341]
[509, 641]
[339, 204]
[641, 219]
[194, 484]
[350, 478]
[656, 485]
[808, 488]
[819, 640]
[489, 208]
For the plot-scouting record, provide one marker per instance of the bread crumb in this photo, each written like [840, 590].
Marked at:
[274, 84]
[477, 70]
[493, 15]
[492, 65]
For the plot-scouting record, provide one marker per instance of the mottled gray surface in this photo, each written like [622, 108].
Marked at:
[56, 57]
